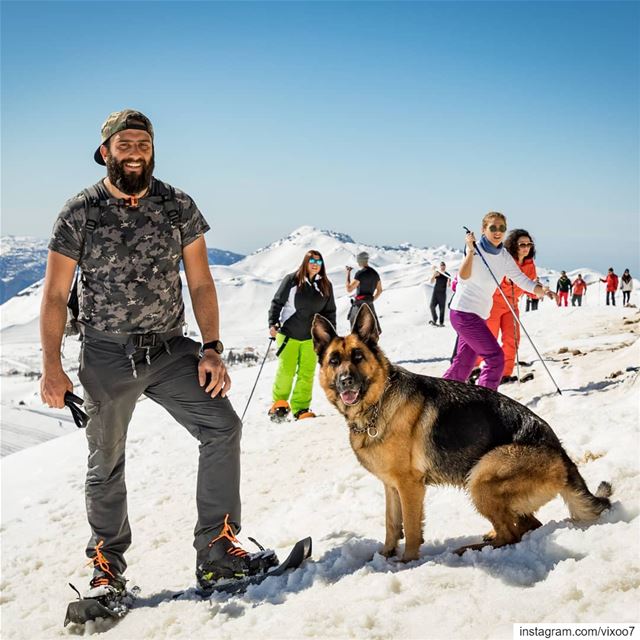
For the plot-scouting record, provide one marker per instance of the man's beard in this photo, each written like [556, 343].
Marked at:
[129, 183]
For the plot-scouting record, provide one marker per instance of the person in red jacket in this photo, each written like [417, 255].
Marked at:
[520, 245]
[579, 288]
[612, 286]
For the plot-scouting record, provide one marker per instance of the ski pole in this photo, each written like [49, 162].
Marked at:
[486, 264]
[515, 333]
[271, 341]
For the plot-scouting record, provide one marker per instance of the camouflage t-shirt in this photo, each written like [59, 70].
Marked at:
[130, 264]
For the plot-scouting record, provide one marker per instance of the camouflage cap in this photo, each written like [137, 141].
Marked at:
[119, 121]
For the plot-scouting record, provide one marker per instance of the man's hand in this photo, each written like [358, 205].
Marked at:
[273, 332]
[53, 386]
[211, 364]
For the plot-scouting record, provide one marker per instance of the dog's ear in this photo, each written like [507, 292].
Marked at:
[322, 332]
[365, 326]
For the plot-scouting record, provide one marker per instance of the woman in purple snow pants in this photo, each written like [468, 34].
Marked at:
[471, 304]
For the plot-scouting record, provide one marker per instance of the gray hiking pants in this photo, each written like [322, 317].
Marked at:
[171, 380]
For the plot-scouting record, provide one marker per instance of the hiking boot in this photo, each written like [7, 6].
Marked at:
[105, 581]
[304, 413]
[279, 411]
[228, 561]
[474, 375]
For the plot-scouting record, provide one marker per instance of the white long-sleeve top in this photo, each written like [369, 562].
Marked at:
[475, 294]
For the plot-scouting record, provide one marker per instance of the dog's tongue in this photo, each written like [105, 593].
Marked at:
[349, 397]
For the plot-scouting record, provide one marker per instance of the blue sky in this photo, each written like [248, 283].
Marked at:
[390, 121]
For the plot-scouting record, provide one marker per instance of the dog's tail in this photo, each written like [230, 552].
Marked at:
[583, 505]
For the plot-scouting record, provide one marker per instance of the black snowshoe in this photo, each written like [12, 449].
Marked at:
[105, 601]
[230, 568]
[300, 552]
[107, 597]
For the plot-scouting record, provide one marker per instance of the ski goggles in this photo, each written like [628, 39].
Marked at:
[79, 416]
[315, 261]
[497, 227]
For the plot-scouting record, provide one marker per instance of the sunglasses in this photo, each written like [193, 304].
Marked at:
[525, 245]
[501, 228]
[315, 261]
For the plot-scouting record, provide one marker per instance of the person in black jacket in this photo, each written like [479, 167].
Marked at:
[367, 285]
[300, 296]
[440, 281]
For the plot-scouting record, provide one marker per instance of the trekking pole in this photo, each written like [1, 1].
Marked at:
[515, 333]
[271, 341]
[486, 264]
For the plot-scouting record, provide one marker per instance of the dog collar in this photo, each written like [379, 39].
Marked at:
[371, 431]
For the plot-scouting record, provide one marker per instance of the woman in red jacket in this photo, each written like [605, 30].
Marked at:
[520, 245]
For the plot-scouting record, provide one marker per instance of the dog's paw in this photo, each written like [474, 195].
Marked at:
[388, 552]
[489, 536]
[410, 556]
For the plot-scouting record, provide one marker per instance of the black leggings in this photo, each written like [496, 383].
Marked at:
[626, 296]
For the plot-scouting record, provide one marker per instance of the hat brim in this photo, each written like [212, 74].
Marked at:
[97, 156]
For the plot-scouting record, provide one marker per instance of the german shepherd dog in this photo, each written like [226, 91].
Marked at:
[411, 430]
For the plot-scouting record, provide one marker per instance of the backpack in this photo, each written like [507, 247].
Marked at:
[162, 193]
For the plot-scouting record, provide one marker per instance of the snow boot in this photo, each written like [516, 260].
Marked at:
[474, 375]
[304, 413]
[279, 411]
[105, 581]
[227, 561]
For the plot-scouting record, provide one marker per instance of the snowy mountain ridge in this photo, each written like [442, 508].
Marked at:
[23, 260]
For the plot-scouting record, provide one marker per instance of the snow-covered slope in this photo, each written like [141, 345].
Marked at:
[303, 479]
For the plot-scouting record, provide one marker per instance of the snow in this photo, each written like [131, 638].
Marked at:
[302, 479]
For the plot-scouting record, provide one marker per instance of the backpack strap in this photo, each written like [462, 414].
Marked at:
[167, 195]
[93, 209]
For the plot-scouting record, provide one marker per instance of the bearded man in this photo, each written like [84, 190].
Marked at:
[128, 234]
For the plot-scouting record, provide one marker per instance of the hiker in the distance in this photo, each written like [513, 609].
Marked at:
[626, 286]
[563, 287]
[472, 302]
[532, 303]
[440, 280]
[367, 285]
[128, 234]
[578, 289]
[611, 281]
[299, 297]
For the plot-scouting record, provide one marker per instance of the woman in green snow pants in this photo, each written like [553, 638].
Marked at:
[300, 296]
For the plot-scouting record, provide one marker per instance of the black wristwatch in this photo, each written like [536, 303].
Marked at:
[216, 345]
